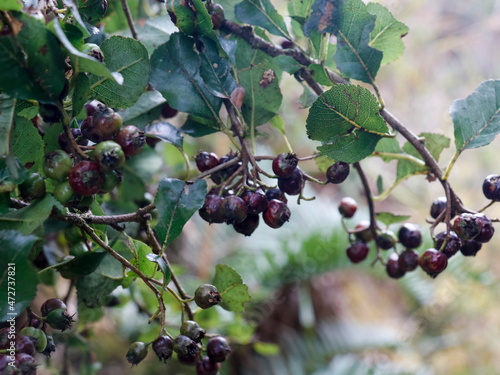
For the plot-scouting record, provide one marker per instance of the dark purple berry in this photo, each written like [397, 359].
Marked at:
[438, 206]
[187, 350]
[207, 367]
[131, 140]
[206, 160]
[487, 229]
[348, 207]
[247, 226]
[286, 44]
[408, 260]
[363, 232]
[386, 240]
[103, 125]
[284, 165]
[453, 243]
[51, 346]
[37, 336]
[163, 347]
[213, 210]
[218, 349]
[206, 296]
[491, 187]
[79, 138]
[410, 236]
[357, 251]
[392, 267]
[86, 178]
[256, 201]
[276, 193]
[26, 364]
[136, 353]
[167, 111]
[433, 262]
[337, 172]
[26, 345]
[227, 172]
[192, 330]
[276, 214]
[470, 247]
[292, 185]
[51, 305]
[467, 226]
[92, 107]
[235, 208]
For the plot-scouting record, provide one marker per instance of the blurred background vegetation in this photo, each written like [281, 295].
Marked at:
[312, 312]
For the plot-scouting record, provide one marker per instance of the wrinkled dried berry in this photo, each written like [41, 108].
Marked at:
[467, 226]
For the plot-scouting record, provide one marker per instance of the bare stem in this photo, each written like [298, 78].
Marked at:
[130, 20]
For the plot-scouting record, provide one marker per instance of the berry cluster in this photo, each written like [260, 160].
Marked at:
[242, 209]
[78, 181]
[466, 234]
[20, 349]
[188, 344]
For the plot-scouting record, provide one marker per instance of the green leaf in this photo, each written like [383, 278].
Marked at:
[165, 269]
[261, 13]
[156, 31]
[387, 33]
[300, 8]
[15, 252]
[192, 18]
[263, 95]
[93, 290]
[7, 106]
[176, 65]
[83, 264]
[380, 184]
[81, 93]
[166, 132]
[435, 143]
[11, 5]
[141, 251]
[307, 98]
[231, 288]
[82, 62]
[199, 126]
[351, 23]
[27, 219]
[387, 146]
[278, 123]
[27, 108]
[320, 74]
[346, 120]
[389, 218]
[36, 61]
[176, 202]
[27, 143]
[216, 70]
[130, 58]
[145, 110]
[476, 118]
[92, 11]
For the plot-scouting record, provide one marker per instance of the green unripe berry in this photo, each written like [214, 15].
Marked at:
[137, 352]
[57, 165]
[206, 296]
[110, 155]
[32, 187]
[37, 336]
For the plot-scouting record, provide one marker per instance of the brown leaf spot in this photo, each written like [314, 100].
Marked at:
[267, 77]
[326, 17]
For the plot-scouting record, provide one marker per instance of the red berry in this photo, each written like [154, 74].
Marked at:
[131, 140]
[247, 226]
[86, 178]
[256, 201]
[206, 160]
[284, 165]
[348, 207]
[433, 262]
[103, 125]
[276, 214]
[357, 251]
[392, 267]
